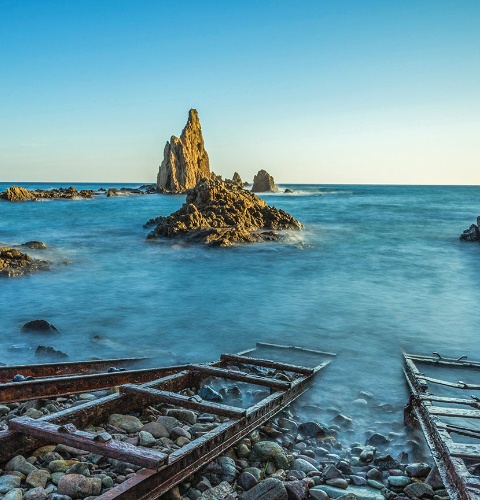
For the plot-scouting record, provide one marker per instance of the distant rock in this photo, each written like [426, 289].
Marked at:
[35, 245]
[15, 263]
[16, 194]
[263, 183]
[472, 233]
[43, 351]
[221, 214]
[185, 160]
[288, 191]
[39, 325]
[236, 179]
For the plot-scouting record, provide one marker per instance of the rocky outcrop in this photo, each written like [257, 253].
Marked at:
[39, 326]
[263, 183]
[221, 214]
[185, 160]
[472, 233]
[16, 193]
[236, 179]
[15, 263]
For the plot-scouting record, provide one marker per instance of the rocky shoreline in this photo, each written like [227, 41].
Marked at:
[285, 459]
[14, 263]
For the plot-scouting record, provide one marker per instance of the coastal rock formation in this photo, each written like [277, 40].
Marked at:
[263, 183]
[17, 193]
[472, 233]
[236, 179]
[39, 326]
[185, 160]
[35, 245]
[221, 214]
[15, 263]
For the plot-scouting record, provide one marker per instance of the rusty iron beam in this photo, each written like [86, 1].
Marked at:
[294, 348]
[63, 386]
[266, 363]
[69, 368]
[458, 362]
[456, 385]
[441, 411]
[82, 440]
[239, 376]
[185, 401]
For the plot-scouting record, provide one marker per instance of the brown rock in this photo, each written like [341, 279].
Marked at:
[15, 263]
[185, 160]
[221, 214]
[78, 486]
[263, 182]
[17, 193]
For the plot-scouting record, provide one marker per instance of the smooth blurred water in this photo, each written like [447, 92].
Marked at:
[378, 270]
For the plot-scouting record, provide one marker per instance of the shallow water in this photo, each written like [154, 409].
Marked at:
[378, 270]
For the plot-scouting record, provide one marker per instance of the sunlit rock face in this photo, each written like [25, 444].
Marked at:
[263, 182]
[185, 160]
[219, 213]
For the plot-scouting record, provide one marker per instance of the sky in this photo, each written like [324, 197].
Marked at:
[323, 91]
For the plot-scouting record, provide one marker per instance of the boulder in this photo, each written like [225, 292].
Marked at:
[472, 233]
[17, 193]
[236, 179]
[217, 213]
[49, 352]
[35, 245]
[15, 263]
[263, 183]
[40, 326]
[185, 160]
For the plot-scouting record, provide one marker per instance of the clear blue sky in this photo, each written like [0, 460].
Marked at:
[317, 91]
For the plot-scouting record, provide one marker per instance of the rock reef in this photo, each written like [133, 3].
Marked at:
[18, 193]
[472, 233]
[218, 213]
[263, 182]
[185, 160]
[15, 263]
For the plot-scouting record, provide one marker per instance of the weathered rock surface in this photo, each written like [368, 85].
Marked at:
[15, 263]
[185, 160]
[16, 194]
[472, 233]
[263, 182]
[35, 245]
[236, 179]
[222, 214]
[39, 325]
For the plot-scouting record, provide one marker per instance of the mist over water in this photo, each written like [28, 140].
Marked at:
[378, 271]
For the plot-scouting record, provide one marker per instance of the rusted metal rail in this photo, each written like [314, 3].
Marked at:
[162, 472]
[452, 458]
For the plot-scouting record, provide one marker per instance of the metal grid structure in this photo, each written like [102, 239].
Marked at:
[440, 417]
[161, 472]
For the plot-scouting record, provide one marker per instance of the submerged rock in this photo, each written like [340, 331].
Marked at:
[35, 245]
[185, 160]
[222, 214]
[15, 263]
[39, 325]
[263, 183]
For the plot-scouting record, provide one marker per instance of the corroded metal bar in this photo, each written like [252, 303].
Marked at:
[458, 385]
[444, 361]
[242, 377]
[62, 386]
[266, 363]
[294, 348]
[86, 441]
[69, 368]
[453, 412]
[184, 401]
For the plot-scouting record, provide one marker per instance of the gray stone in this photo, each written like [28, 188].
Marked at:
[146, 439]
[338, 482]
[270, 489]
[187, 416]
[331, 472]
[255, 472]
[15, 494]
[318, 494]
[37, 493]
[368, 454]
[419, 490]
[302, 465]
[128, 423]
[156, 429]
[78, 486]
[375, 484]
[264, 451]
[4, 410]
[246, 481]
[168, 422]
[37, 478]
[209, 394]
[434, 479]
[228, 467]
[418, 470]
[398, 481]
[20, 464]
[357, 480]
[311, 430]
[9, 482]
[221, 492]
[362, 493]
[376, 439]
[296, 490]
[56, 476]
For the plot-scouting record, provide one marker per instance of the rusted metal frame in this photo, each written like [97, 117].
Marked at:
[69, 368]
[63, 386]
[440, 411]
[459, 385]
[266, 363]
[155, 395]
[459, 483]
[239, 376]
[444, 361]
[112, 448]
[294, 348]
[147, 485]
[457, 401]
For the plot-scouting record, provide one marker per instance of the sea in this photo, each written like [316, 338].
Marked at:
[377, 271]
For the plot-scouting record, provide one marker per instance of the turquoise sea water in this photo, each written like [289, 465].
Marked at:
[378, 270]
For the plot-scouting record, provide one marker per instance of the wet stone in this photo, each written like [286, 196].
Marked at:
[338, 482]
[418, 470]
[78, 486]
[296, 490]
[128, 423]
[37, 478]
[377, 439]
[311, 429]
[299, 464]
[15, 494]
[37, 493]
[398, 481]
[187, 416]
[419, 490]
[20, 464]
[270, 489]
[156, 429]
[8, 483]
[246, 481]
[269, 451]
